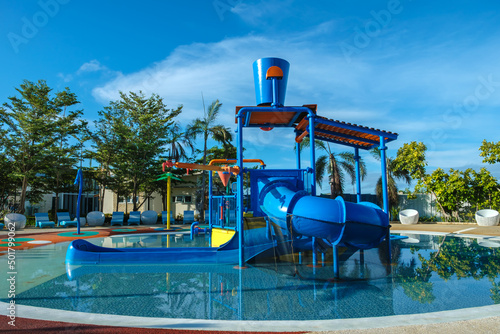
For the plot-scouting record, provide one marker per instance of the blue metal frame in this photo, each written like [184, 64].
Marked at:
[383, 159]
[358, 175]
[245, 113]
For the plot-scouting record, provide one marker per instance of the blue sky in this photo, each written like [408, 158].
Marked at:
[424, 69]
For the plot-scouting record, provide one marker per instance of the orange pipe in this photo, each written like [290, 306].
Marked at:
[235, 170]
[233, 161]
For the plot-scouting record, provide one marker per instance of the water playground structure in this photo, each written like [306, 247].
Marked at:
[287, 216]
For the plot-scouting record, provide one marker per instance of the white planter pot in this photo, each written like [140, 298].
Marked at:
[95, 218]
[487, 217]
[408, 216]
[149, 217]
[18, 219]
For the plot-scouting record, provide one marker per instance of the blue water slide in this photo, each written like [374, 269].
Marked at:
[82, 252]
[360, 225]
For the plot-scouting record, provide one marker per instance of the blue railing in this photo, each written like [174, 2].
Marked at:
[224, 211]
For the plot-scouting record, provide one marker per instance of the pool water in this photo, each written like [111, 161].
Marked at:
[429, 273]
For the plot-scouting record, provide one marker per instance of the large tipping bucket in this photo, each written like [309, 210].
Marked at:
[263, 86]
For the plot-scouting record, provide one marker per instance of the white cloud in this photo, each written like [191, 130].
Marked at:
[91, 66]
[65, 77]
[260, 12]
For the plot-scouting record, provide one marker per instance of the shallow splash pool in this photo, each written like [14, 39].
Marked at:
[429, 273]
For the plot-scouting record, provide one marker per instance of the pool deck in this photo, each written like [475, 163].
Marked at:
[440, 322]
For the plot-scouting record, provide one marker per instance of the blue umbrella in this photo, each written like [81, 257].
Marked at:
[79, 180]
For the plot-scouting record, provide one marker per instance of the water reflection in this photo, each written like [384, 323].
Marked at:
[448, 258]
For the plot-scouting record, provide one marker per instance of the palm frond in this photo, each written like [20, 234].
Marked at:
[213, 111]
[221, 134]
[376, 153]
[321, 166]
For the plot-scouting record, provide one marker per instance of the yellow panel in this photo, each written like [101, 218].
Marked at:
[220, 236]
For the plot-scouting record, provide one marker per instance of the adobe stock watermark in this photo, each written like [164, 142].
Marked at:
[455, 117]
[372, 28]
[11, 273]
[31, 26]
[223, 6]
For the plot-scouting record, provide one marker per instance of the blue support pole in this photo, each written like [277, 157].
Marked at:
[297, 153]
[79, 180]
[358, 175]
[385, 194]
[336, 273]
[362, 262]
[313, 154]
[314, 252]
[275, 93]
[239, 194]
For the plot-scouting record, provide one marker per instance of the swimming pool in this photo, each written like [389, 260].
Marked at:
[430, 273]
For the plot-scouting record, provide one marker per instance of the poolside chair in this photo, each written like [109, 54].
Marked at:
[188, 217]
[63, 219]
[134, 218]
[117, 218]
[164, 215]
[149, 217]
[42, 220]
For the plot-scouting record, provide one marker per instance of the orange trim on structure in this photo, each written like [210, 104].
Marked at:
[300, 138]
[233, 161]
[274, 72]
[235, 169]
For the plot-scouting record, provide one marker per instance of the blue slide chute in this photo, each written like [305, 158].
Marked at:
[360, 225]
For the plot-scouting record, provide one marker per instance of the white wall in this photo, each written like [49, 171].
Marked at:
[187, 188]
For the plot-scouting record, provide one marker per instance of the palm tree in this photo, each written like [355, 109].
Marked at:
[179, 144]
[205, 127]
[335, 165]
[393, 174]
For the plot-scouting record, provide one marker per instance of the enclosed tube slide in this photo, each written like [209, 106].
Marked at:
[362, 225]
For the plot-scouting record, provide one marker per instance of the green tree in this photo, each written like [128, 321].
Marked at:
[451, 189]
[393, 174]
[105, 144]
[206, 127]
[36, 128]
[334, 166]
[179, 144]
[8, 183]
[486, 193]
[142, 126]
[410, 159]
[490, 152]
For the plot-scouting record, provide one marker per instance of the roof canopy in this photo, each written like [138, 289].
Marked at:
[325, 129]
[344, 133]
